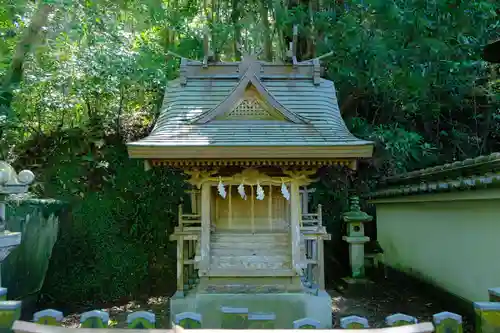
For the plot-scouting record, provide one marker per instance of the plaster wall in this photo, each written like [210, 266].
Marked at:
[450, 240]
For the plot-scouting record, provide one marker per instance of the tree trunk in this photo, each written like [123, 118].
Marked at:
[235, 17]
[305, 39]
[264, 15]
[15, 74]
[311, 49]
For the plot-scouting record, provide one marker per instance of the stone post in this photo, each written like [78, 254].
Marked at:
[494, 294]
[356, 238]
[487, 317]
[10, 183]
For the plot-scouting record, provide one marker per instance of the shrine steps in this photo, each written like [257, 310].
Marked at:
[247, 254]
[254, 262]
[249, 237]
[248, 281]
[254, 250]
[247, 240]
[217, 272]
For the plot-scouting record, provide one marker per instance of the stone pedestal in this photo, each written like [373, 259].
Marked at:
[8, 242]
[356, 238]
[10, 311]
[285, 307]
[357, 254]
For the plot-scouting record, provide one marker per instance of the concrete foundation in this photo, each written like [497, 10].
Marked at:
[287, 307]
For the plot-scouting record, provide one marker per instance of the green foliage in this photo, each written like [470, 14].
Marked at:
[117, 243]
[408, 76]
[397, 149]
[404, 66]
[413, 69]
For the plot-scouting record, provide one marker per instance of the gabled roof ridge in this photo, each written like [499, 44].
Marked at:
[232, 98]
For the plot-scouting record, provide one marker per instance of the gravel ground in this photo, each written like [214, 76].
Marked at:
[376, 302]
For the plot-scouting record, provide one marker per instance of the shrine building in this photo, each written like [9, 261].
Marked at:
[251, 136]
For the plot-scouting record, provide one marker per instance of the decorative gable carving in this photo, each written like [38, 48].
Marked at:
[248, 109]
[249, 82]
[251, 107]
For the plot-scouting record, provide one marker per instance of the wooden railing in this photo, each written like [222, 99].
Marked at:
[313, 234]
[313, 264]
[188, 221]
[187, 234]
[312, 219]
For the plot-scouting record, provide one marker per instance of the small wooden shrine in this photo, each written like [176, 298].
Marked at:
[250, 135]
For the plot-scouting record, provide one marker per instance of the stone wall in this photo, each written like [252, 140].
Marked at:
[23, 271]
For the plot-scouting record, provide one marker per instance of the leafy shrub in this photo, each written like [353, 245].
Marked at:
[117, 243]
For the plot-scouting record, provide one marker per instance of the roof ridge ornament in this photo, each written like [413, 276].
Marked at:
[292, 53]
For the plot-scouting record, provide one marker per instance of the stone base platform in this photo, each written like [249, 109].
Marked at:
[287, 307]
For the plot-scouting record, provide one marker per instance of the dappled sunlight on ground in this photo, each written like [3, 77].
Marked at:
[118, 314]
[381, 299]
[376, 302]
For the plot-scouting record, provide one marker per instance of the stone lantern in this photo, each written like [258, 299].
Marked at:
[356, 238]
[10, 183]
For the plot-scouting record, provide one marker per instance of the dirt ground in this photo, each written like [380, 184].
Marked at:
[386, 297]
[376, 302]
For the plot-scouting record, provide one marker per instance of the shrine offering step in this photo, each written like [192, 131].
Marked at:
[247, 253]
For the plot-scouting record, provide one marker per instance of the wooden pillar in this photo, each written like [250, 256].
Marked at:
[320, 215]
[270, 207]
[186, 258]
[198, 202]
[215, 213]
[194, 202]
[321, 263]
[205, 227]
[314, 256]
[179, 222]
[252, 209]
[295, 222]
[305, 201]
[230, 208]
[180, 267]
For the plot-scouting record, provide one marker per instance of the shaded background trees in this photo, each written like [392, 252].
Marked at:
[80, 78]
